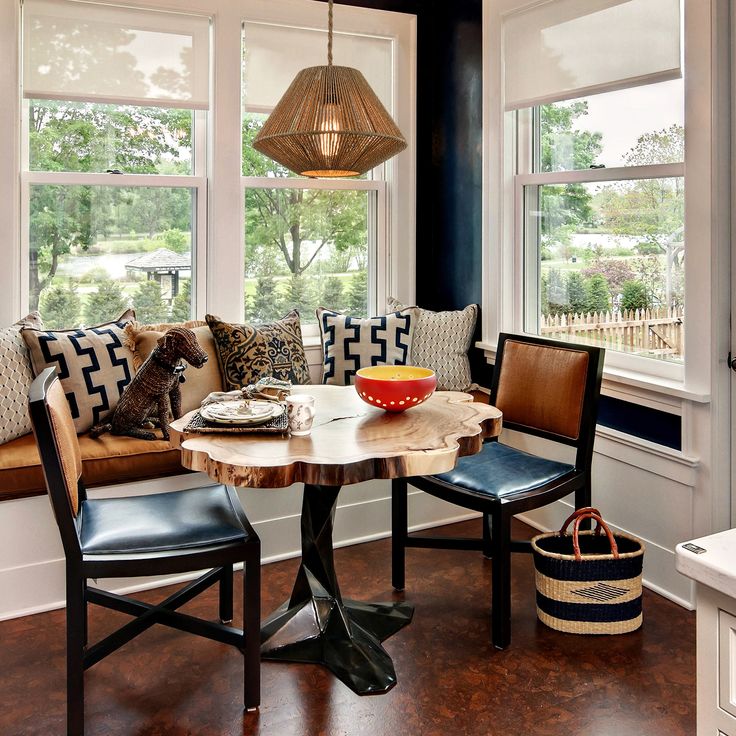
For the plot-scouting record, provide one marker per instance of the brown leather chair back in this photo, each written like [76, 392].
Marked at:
[542, 387]
[61, 459]
[550, 389]
[67, 445]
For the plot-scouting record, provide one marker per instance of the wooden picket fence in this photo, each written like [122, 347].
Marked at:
[652, 331]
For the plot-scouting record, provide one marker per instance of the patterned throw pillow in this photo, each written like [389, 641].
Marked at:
[93, 364]
[352, 343]
[198, 382]
[16, 377]
[248, 352]
[441, 342]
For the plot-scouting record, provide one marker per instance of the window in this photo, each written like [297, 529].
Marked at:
[604, 243]
[308, 243]
[110, 184]
[598, 176]
[125, 151]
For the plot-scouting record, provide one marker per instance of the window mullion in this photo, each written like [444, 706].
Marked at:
[619, 173]
[271, 182]
[80, 178]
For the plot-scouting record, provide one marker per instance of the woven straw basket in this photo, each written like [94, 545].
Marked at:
[588, 582]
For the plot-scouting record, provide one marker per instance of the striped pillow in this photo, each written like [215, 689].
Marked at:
[441, 342]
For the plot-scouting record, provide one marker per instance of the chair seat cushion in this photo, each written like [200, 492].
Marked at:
[500, 471]
[202, 517]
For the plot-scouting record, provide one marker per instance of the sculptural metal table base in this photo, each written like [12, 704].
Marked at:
[316, 625]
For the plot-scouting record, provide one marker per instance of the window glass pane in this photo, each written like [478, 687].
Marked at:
[304, 249]
[95, 251]
[629, 127]
[82, 136]
[605, 264]
[254, 163]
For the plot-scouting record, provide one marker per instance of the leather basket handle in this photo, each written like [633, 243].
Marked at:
[601, 525]
[574, 515]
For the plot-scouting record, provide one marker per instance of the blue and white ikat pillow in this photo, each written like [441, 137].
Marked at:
[352, 343]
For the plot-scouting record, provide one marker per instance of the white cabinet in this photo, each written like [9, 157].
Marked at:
[711, 562]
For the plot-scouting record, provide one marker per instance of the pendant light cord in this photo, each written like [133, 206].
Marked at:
[329, 33]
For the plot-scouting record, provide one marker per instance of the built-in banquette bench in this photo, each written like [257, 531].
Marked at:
[110, 460]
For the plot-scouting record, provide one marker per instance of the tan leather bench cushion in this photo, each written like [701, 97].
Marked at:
[105, 461]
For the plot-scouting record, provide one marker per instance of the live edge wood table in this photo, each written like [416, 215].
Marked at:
[350, 442]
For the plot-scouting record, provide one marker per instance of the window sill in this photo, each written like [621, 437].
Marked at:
[658, 393]
[311, 342]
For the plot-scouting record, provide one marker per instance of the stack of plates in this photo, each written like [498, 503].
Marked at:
[241, 413]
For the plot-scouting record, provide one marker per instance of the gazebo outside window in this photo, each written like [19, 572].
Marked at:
[164, 266]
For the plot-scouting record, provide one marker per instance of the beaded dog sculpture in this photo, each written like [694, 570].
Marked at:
[154, 387]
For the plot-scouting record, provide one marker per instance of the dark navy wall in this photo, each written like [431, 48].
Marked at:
[449, 159]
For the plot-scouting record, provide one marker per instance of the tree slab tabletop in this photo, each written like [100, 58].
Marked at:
[350, 442]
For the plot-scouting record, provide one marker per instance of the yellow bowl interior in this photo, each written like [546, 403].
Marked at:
[395, 372]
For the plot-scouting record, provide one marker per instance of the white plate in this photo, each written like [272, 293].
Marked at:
[239, 408]
[232, 412]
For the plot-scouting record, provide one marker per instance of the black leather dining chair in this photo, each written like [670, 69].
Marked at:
[548, 389]
[159, 534]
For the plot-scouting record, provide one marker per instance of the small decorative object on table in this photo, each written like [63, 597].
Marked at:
[268, 389]
[154, 387]
[395, 387]
[588, 583]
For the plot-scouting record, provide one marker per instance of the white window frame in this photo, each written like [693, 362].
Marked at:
[502, 263]
[219, 212]
[524, 305]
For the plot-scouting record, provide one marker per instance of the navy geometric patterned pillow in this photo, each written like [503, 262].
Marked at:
[93, 364]
[352, 343]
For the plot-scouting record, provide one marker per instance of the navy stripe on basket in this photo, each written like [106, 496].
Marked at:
[600, 592]
[621, 569]
[592, 612]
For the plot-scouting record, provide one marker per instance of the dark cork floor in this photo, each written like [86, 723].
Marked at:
[450, 679]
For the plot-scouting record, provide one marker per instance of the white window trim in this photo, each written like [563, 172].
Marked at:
[221, 247]
[500, 265]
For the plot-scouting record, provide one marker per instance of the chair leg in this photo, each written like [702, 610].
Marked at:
[252, 632]
[75, 636]
[399, 531]
[501, 580]
[84, 612]
[583, 498]
[226, 594]
[487, 540]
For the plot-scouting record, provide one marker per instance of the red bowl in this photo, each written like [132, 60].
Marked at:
[395, 387]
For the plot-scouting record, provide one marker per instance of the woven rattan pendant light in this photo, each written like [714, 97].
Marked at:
[329, 123]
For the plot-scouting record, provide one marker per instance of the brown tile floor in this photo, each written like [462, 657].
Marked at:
[451, 681]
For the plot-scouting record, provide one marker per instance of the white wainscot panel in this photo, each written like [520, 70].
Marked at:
[644, 490]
